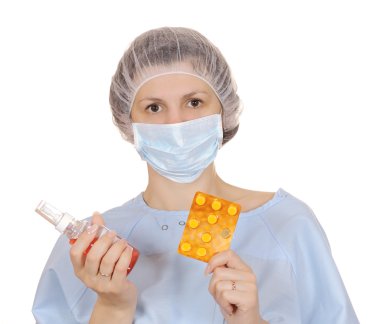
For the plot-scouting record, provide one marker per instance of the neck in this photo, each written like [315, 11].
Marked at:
[162, 193]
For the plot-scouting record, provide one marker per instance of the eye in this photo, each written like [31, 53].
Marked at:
[194, 103]
[153, 108]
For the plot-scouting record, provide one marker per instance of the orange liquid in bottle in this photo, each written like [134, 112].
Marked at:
[135, 253]
[72, 241]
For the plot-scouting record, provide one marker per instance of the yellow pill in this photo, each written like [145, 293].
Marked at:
[185, 247]
[193, 223]
[212, 219]
[206, 237]
[232, 210]
[216, 204]
[201, 251]
[200, 200]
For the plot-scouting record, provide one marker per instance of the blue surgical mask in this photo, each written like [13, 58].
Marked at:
[181, 151]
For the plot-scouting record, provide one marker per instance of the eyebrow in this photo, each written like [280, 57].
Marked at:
[188, 95]
[191, 94]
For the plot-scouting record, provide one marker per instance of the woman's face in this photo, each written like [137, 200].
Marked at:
[174, 98]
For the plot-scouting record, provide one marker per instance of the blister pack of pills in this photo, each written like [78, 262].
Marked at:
[209, 227]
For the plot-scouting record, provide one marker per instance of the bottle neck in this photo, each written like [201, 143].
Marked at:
[64, 222]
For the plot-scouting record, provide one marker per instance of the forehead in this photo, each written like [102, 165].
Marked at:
[173, 83]
[160, 77]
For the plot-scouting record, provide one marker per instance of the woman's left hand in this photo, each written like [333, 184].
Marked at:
[233, 286]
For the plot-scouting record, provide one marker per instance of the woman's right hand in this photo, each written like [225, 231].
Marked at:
[104, 270]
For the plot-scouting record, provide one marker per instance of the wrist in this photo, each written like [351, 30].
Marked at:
[107, 312]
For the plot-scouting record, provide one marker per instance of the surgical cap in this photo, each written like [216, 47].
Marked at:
[172, 50]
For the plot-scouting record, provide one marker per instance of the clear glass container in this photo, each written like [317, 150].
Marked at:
[72, 228]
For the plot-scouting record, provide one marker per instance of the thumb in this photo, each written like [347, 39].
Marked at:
[97, 218]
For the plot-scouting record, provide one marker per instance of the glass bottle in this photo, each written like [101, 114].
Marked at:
[72, 228]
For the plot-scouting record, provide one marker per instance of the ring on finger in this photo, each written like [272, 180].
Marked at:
[233, 285]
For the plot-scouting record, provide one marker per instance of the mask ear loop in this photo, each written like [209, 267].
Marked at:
[221, 113]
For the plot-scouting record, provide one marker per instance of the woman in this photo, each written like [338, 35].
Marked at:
[173, 96]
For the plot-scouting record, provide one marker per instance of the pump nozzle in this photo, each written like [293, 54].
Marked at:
[50, 213]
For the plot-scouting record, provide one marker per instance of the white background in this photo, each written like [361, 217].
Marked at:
[309, 76]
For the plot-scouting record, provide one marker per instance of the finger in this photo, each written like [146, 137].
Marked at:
[228, 311]
[121, 267]
[240, 299]
[230, 283]
[241, 294]
[227, 259]
[98, 250]
[226, 306]
[81, 245]
[231, 295]
[223, 277]
[97, 218]
[234, 286]
[223, 273]
[110, 259]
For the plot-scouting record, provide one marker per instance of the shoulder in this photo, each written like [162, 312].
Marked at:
[123, 218]
[282, 213]
[125, 209]
[296, 229]
[288, 215]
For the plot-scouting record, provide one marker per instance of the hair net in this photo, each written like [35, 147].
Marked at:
[172, 50]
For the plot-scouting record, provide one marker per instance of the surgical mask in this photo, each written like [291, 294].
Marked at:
[181, 151]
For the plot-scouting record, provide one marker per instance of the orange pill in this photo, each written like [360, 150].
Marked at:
[201, 252]
[216, 204]
[212, 219]
[232, 210]
[200, 200]
[193, 223]
[185, 246]
[206, 237]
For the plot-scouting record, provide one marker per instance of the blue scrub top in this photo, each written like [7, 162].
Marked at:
[281, 241]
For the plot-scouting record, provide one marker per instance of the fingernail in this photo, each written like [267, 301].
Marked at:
[229, 313]
[207, 270]
[125, 243]
[111, 234]
[92, 229]
[226, 313]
